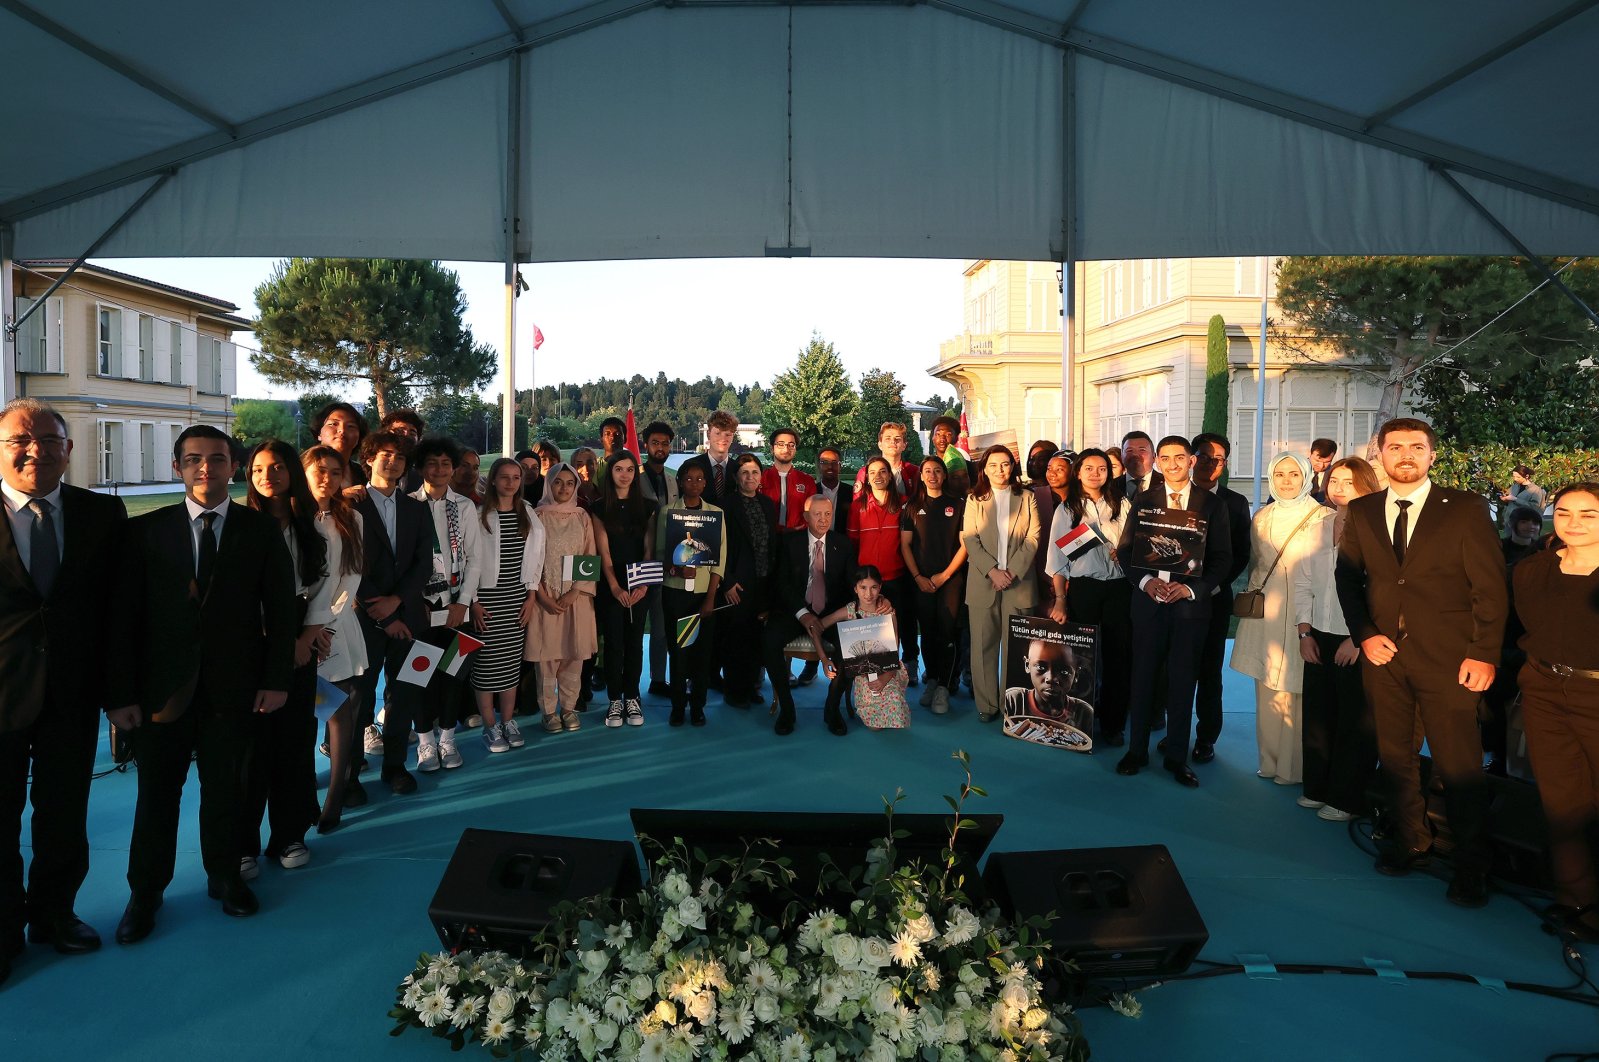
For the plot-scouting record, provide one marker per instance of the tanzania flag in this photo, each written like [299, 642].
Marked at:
[645, 573]
[688, 630]
[581, 568]
[450, 662]
[1079, 540]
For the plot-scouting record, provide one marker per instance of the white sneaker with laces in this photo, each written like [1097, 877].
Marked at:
[372, 741]
[635, 713]
[449, 755]
[294, 854]
[928, 690]
[613, 715]
[513, 734]
[940, 702]
[427, 757]
[1332, 814]
[249, 869]
[1308, 802]
[494, 739]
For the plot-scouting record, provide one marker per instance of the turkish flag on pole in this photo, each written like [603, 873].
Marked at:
[964, 443]
[538, 338]
[632, 432]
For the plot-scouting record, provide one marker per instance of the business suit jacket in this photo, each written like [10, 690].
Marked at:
[1219, 563]
[846, 498]
[794, 569]
[1238, 525]
[59, 643]
[729, 480]
[648, 488]
[401, 570]
[980, 535]
[223, 646]
[1130, 488]
[740, 566]
[1449, 599]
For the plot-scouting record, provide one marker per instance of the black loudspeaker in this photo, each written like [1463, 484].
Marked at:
[499, 888]
[1120, 912]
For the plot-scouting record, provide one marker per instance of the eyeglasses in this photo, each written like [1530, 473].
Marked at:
[19, 443]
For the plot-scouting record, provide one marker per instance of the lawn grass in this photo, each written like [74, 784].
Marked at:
[139, 504]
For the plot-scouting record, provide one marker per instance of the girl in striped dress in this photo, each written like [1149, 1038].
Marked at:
[513, 558]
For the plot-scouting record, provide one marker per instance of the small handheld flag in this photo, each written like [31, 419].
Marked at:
[581, 568]
[329, 699]
[1079, 540]
[450, 662]
[420, 663]
[645, 573]
[688, 630]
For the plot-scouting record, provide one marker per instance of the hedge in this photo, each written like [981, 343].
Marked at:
[1485, 470]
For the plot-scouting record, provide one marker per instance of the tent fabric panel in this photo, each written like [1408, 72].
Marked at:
[659, 136]
[952, 144]
[416, 176]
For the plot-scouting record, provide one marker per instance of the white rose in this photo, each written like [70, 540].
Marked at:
[690, 913]
[639, 988]
[875, 952]
[883, 998]
[765, 1008]
[846, 949]
[675, 888]
[596, 961]
[501, 1003]
[880, 1050]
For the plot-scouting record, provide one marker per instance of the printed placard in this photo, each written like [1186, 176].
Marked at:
[1051, 682]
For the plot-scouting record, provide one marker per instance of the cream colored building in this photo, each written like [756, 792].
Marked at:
[129, 362]
[1143, 328]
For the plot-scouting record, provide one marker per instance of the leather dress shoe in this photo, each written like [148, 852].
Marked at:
[1397, 862]
[785, 723]
[696, 715]
[676, 718]
[733, 700]
[835, 722]
[67, 933]
[987, 717]
[237, 899]
[1469, 888]
[399, 781]
[1131, 764]
[1160, 746]
[1204, 752]
[138, 920]
[660, 689]
[1183, 773]
[1113, 741]
[354, 793]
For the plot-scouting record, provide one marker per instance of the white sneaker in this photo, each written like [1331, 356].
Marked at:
[1332, 814]
[494, 739]
[928, 691]
[613, 715]
[372, 741]
[294, 854]
[449, 755]
[473, 722]
[427, 757]
[249, 869]
[1307, 802]
[513, 734]
[635, 713]
[940, 703]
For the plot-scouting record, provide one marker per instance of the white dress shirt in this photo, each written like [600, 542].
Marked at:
[1417, 499]
[386, 507]
[22, 519]
[811, 542]
[196, 525]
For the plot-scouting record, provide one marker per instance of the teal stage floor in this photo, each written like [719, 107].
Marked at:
[312, 976]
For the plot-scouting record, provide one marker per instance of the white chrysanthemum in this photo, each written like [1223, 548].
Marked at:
[830, 993]
[675, 888]
[962, 927]
[580, 1021]
[654, 1048]
[761, 977]
[930, 977]
[496, 1031]
[1001, 1019]
[898, 1023]
[412, 998]
[467, 1011]
[715, 974]
[795, 1049]
[906, 951]
[736, 1021]
[616, 1008]
[617, 936]
[435, 1008]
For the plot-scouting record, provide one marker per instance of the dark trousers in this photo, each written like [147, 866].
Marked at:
[446, 699]
[624, 643]
[938, 617]
[1107, 604]
[1561, 717]
[902, 594]
[782, 629]
[1173, 634]
[1495, 711]
[691, 665]
[660, 637]
[740, 637]
[1339, 738]
[1409, 702]
[280, 773]
[219, 743]
[1207, 698]
[385, 656]
[59, 746]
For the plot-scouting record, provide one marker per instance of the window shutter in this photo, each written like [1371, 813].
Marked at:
[189, 351]
[28, 337]
[130, 347]
[55, 317]
[132, 455]
[229, 368]
[163, 354]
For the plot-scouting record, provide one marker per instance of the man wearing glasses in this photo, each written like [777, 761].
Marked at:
[57, 546]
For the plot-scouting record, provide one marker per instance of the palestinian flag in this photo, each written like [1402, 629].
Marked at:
[581, 568]
[420, 663]
[1079, 540]
[450, 662]
[688, 630]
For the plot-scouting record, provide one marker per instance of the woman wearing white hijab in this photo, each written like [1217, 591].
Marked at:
[1281, 536]
[561, 634]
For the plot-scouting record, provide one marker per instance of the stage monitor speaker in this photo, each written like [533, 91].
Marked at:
[499, 888]
[1120, 912]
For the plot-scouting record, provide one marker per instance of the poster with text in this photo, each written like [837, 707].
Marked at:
[693, 538]
[868, 645]
[1169, 540]
[1051, 682]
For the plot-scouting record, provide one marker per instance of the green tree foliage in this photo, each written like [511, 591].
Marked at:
[312, 402]
[463, 417]
[681, 403]
[255, 419]
[731, 402]
[882, 399]
[1217, 398]
[394, 323]
[1399, 316]
[814, 399]
[1536, 407]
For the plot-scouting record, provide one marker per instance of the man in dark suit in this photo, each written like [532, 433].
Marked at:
[1138, 464]
[829, 462]
[717, 461]
[815, 575]
[1322, 452]
[208, 627]
[58, 548]
[398, 546]
[1211, 452]
[1170, 611]
[1422, 585]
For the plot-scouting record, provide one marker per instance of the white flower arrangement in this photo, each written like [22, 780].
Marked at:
[689, 969]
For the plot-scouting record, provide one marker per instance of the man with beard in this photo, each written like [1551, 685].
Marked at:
[1052, 669]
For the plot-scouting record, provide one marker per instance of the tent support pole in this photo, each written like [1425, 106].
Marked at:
[1543, 267]
[12, 327]
[8, 302]
[513, 187]
[1068, 245]
[1260, 379]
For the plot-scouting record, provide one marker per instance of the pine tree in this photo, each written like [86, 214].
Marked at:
[882, 401]
[813, 398]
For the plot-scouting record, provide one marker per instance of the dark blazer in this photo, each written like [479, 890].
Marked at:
[403, 571]
[1449, 601]
[1238, 524]
[846, 498]
[740, 566]
[794, 566]
[173, 644]
[729, 481]
[1218, 545]
[60, 643]
[1131, 490]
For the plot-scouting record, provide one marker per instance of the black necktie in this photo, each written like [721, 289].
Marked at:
[44, 555]
[208, 552]
[1401, 531]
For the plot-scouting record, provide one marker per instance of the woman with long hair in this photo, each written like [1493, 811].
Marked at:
[752, 535]
[873, 525]
[1281, 536]
[561, 633]
[1340, 737]
[930, 544]
[1001, 532]
[342, 642]
[509, 566]
[1087, 584]
[624, 533]
[280, 772]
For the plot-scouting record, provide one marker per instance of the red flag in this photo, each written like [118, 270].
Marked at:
[964, 443]
[632, 432]
[538, 338]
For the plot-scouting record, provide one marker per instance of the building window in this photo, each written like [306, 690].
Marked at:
[210, 366]
[1139, 404]
[1135, 285]
[110, 341]
[176, 351]
[111, 451]
[146, 347]
[1301, 405]
[39, 339]
[1247, 275]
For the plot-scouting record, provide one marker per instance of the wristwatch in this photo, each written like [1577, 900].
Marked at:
[1303, 635]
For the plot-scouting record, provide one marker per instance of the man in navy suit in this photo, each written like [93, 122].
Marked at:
[58, 548]
[1211, 452]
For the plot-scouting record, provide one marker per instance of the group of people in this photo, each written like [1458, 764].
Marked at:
[527, 588]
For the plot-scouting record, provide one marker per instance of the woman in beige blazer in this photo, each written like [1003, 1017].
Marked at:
[999, 583]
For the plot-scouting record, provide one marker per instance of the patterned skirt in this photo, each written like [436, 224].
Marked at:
[498, 665]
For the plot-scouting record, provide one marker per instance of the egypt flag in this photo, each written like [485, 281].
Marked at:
[450, 662]
[581, 568]
[420, 663]
[1079, 540]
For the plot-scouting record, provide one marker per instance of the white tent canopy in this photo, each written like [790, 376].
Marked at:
[700, 128]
